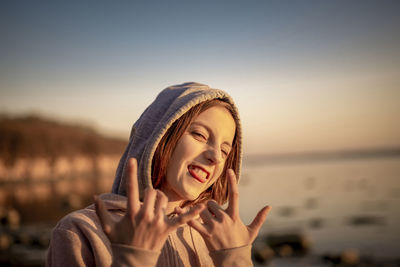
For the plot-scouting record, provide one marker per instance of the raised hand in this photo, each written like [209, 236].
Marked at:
[222, 229]
[145, 225]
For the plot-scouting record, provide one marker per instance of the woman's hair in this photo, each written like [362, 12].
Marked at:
[219, 189]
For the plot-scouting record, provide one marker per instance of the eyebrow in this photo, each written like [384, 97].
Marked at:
[209, 130]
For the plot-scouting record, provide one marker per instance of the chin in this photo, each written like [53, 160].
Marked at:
[190, 196]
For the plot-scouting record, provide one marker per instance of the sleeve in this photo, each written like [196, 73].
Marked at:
[66, 249]
[240, 256]
[124, 255]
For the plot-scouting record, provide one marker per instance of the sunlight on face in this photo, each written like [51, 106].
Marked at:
[200, 154]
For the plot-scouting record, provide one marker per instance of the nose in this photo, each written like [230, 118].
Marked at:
[213, 155]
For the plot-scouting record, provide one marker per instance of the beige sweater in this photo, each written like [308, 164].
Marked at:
[78, 240]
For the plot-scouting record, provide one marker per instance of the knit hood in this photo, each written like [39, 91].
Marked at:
[170, 104]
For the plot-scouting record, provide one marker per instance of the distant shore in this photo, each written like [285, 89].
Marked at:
[307, 156]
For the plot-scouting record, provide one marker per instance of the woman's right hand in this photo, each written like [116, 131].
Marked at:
[145, 225]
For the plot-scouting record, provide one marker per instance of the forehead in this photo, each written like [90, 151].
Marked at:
[219, 120]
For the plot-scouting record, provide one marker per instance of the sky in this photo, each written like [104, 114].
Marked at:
[306, 75]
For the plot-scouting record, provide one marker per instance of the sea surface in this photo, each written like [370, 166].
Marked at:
[338, 204]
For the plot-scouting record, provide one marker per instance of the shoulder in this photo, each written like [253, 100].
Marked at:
[81, 227]
[86, 222]
[86, 217]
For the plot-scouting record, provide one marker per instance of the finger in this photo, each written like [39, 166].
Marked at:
[215, 209]
[186, 217]
[199, 227]
[206, 216]
[132, 187]
[233, 207]
[148, 203]
[178, 210]
[161, 203]
[259, 219]
[102, 213]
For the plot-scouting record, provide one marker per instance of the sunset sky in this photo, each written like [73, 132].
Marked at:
[306, 75]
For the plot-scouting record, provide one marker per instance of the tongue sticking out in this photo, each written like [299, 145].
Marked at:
[198, 173]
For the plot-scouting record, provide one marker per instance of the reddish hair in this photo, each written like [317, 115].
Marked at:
[219, 189]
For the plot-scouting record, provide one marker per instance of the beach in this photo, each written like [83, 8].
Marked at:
[322, 212]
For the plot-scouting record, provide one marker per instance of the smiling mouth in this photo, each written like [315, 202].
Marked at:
[198, 173]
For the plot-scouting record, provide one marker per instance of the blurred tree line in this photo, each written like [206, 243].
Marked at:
[33, 137]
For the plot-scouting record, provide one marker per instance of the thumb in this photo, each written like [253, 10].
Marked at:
[178, 210]
[102, 213]
[259, 219]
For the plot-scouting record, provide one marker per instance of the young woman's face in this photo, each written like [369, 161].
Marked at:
[200, 154]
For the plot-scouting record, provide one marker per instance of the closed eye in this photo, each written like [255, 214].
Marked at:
[199, 136]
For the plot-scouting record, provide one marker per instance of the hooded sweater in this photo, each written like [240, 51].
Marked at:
[78, 239]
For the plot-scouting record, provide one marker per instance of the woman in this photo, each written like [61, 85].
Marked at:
[177, 169]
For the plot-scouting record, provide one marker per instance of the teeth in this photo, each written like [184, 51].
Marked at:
[199, 172]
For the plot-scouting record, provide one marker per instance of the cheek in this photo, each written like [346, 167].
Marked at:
[179, 155]
[217, 174]
[186, 148]
[220, 170]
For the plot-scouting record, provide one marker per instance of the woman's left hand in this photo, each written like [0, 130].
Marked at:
[222, 229]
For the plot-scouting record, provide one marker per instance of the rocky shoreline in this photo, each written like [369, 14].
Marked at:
[295, 249]
[26, 246]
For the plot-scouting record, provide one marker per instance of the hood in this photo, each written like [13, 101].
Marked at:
[170, 104]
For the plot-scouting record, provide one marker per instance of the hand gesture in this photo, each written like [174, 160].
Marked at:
[223, 229]
[145, 225]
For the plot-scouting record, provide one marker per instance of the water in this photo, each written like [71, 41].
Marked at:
[338, 204]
